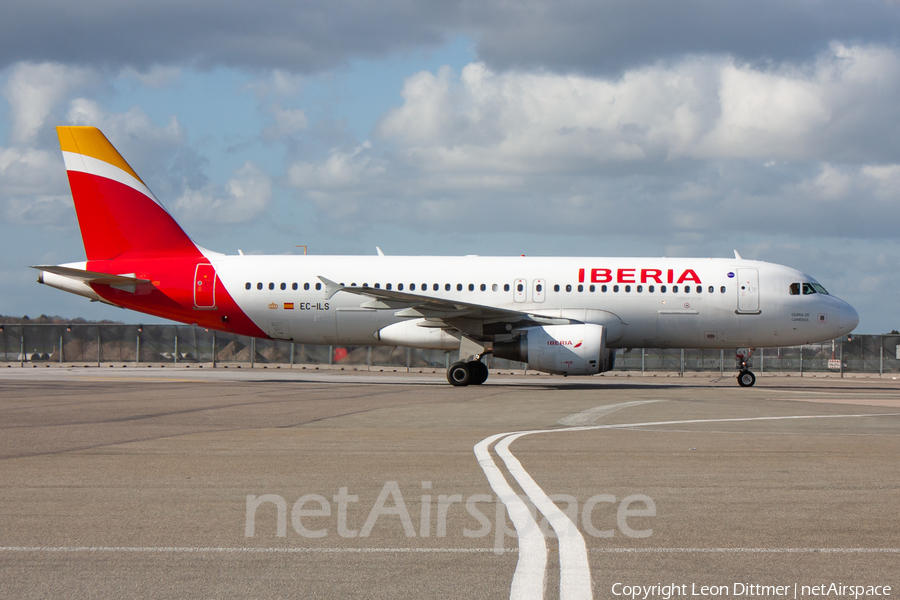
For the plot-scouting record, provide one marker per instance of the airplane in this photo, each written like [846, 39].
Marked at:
[559, 315]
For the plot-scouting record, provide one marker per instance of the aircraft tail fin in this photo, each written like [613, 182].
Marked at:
[117, 213]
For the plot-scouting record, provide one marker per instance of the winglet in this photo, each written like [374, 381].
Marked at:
[378, 250]
[737, 256]
[331, 287]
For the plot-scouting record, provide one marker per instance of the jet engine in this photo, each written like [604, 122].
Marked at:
[560, 349]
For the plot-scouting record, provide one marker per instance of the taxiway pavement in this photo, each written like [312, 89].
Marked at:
[182, 483]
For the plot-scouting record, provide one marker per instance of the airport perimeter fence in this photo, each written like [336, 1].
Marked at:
[186, 344]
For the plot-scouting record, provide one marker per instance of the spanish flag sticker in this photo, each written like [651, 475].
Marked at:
[288, 306]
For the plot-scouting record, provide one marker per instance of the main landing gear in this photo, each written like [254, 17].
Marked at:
[473, 372]
[745, 377]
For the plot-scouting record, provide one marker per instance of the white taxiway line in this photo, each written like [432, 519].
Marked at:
[528, 580]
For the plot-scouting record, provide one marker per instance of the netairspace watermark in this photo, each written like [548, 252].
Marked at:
[740, 590]
[315, 516]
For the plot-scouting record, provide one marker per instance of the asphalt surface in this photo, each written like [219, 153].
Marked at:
[188, 483]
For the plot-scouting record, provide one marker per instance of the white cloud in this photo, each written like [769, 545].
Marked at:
[286, 122]
[244, 197]
[134, 124]
[33, 90]
[30, 171]
[677, 149]
[699, 107]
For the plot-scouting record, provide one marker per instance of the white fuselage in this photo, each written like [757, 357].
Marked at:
[655, 302]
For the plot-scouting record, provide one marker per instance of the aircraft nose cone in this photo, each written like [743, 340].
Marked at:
[849, 319]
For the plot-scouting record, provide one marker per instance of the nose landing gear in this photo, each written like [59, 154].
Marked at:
[472, 372]
[745, 378]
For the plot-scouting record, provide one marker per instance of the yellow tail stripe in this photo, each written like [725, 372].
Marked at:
[90, 141]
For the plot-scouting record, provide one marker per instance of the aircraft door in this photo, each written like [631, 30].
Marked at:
[519, 291]
[204, 286]
[540, 287]
[748, 290]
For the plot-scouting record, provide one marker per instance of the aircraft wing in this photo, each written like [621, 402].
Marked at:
[474, 319]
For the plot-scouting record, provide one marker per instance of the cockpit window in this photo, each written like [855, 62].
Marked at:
[795, 289]
[808, 289]
[819, 288]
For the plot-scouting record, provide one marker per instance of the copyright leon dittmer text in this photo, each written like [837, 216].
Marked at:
[667, 591]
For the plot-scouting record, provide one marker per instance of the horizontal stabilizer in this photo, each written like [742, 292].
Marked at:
[91, 276]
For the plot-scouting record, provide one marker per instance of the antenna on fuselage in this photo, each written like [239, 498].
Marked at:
[737, 256]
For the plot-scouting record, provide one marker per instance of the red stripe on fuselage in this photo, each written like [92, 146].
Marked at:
[170, 293]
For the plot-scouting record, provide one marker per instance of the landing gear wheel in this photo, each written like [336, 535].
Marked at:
[746, 379]
[459, 374]
[479, 372]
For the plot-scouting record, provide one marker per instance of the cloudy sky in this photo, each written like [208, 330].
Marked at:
[539, 127]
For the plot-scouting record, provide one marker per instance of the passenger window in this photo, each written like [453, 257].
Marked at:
[593, 288]
[568, 287]
[400, 287]
[808, 289]
[687, 289]
[471, 287]
[615, 288]
[458, 287]
[318, 286]
[539, 288]
[580, 288]
[506, 287]
[294, 286]
[247, 287]
[412, 287]
[795, 289]
[711, 289]
[495, 287]
[271, 286]
[651, 289]
[520, 288]
[556, 288]
[662, 289]
[435, 287]
[377, 286]
[424, 287]
[722, 289]
[640, 288]
[305, 286]
[447, 287]
[699, 289]
[603, 288]
[483, 287]
[388, 286]
[627, 288]
[283, 286]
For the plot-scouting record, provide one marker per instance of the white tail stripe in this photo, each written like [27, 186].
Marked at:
[101, 168]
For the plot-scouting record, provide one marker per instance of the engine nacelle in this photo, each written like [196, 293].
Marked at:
[560, 349]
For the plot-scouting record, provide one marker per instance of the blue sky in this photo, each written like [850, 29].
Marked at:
[552, 128]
